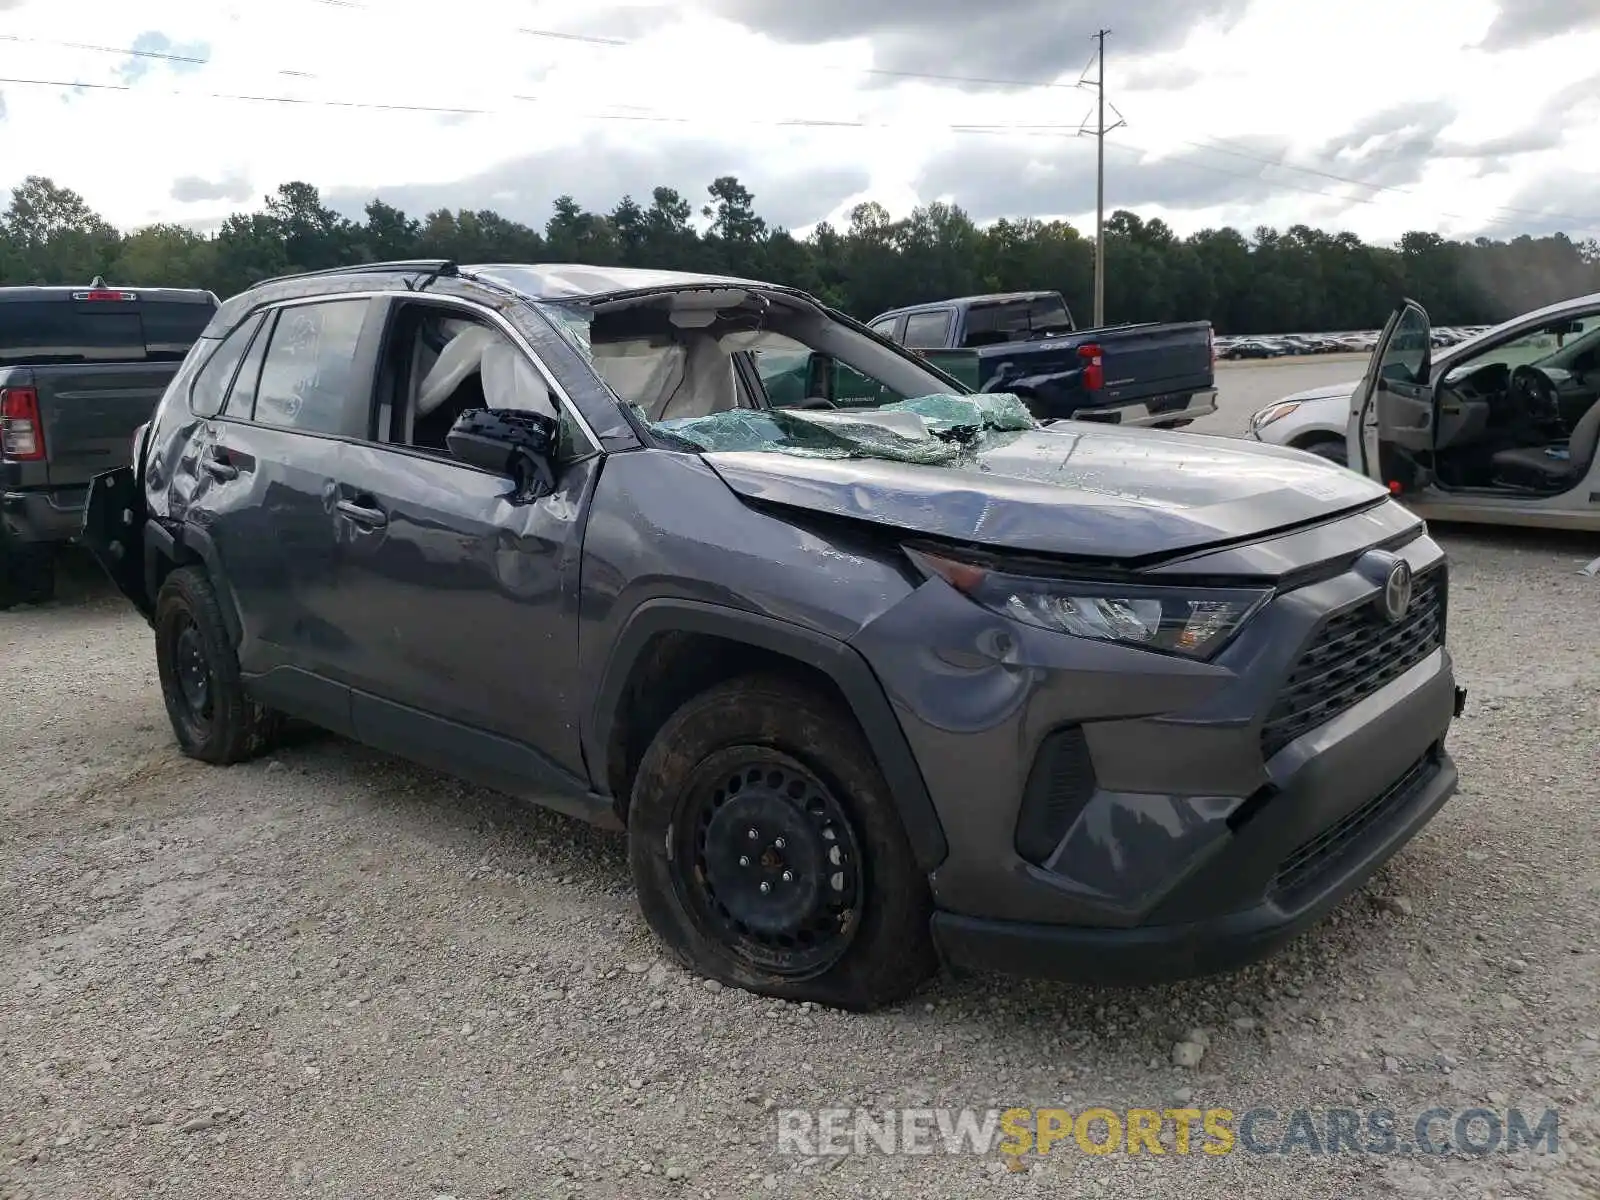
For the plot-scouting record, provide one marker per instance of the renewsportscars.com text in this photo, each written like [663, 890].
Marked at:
[1170, 1131]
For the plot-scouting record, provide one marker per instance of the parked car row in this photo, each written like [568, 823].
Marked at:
[1295, 344]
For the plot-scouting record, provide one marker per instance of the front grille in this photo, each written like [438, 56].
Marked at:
[1059, 785]
[1322, 852]
[1355, 653]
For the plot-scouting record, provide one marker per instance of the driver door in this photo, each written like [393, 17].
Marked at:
[1394, 420]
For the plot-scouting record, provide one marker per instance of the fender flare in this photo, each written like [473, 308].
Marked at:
[190, 543]
[841, 663]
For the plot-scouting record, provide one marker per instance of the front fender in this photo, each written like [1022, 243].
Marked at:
[841, 663]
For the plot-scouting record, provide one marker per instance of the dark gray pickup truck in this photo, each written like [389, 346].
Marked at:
[1025, 343]
[80, 370]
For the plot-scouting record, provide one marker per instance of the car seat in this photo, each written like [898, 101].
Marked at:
[1553, 467]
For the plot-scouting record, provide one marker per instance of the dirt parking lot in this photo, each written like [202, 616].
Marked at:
[330, 974]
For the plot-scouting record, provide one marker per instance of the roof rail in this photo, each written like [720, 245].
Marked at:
[412, 266]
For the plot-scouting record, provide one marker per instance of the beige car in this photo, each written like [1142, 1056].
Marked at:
[1502, 429]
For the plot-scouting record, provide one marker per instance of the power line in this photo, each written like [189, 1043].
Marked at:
[1083, 83]
[646, 115]
[1310, 191]
[1224, 148]
[119, 51]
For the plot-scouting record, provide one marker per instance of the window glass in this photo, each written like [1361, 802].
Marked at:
[1564, 344]
[928, 331]
[171, 326]
[308, 377]
[1015, 320]
[241, 403]
[211, 383]
[1408, 348]
[885, 328]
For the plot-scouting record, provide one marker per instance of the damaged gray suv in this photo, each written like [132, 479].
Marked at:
[871, 684]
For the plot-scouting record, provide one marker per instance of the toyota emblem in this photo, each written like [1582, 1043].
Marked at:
[1397, 591]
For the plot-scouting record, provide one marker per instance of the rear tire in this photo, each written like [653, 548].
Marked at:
[1323, 446]
[27, 573]
[768, 855]
[211, 716]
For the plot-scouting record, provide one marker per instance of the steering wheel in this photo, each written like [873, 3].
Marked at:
[1534, 390]
[814, 402]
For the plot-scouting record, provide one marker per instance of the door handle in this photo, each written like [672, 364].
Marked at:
[218, 469]
[361, 514]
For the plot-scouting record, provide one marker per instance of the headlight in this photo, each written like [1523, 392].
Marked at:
[1273, 412]
[1195, 622]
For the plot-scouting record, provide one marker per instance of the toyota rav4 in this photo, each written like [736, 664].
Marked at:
[870, 685]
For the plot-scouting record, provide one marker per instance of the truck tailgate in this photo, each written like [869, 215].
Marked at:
[1146, 362]
[89, 412]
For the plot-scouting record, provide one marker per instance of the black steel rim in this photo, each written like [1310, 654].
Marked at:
[769, 861]
[193, 673]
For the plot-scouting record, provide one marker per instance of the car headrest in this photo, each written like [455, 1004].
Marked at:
[461, 356]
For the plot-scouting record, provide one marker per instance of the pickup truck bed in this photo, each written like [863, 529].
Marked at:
[1145, 374]
[78, 376]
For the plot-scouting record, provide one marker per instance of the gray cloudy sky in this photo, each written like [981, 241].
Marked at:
[1463, 116]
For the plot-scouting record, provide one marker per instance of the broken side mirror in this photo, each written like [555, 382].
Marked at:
[511, 442]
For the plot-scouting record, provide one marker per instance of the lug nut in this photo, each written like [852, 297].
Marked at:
[779, 844]
[788, 876]
[765, 888]
[744, 860]
[754, 835]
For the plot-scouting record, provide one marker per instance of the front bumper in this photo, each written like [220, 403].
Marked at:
[1194, 826]
[45, 515]
[1158, 953]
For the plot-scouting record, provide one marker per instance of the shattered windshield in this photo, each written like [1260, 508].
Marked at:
[723, 369]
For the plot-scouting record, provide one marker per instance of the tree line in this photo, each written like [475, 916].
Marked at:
[1298, 280]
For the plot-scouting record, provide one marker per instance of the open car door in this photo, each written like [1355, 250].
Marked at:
[1392, 432]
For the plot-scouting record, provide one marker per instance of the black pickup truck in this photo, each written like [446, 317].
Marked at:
[1026, 343]
[80, 370]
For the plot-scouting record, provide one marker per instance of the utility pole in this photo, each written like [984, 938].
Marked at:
[1100, 130]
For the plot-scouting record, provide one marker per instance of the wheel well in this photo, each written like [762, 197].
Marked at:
[1315, 437]
[672, 668]
[165, 564]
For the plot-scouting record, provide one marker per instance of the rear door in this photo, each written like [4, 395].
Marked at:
[267, 470]
[1393, 420]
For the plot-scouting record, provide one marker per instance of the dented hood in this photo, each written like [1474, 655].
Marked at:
[1092, 492]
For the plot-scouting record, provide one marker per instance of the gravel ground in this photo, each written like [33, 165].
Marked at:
[331, 974]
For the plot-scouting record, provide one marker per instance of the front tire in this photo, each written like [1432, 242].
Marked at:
[211, 716]
[768, 855]
[1331, 448]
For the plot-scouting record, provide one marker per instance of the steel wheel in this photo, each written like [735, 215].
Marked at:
[769, 863]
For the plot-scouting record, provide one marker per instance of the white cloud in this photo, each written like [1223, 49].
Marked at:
[1210, 105]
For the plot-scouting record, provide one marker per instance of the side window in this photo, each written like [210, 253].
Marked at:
[308, 376]
[446, 361]
[885, 328]
[211, 382]
[1569, 344]
[928, 331]
[241, 405]
[1407, 355]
